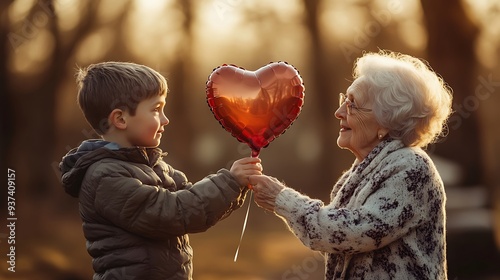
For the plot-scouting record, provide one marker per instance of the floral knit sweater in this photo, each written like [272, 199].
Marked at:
[386, 218]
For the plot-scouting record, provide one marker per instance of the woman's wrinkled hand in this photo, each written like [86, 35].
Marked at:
[266, 190]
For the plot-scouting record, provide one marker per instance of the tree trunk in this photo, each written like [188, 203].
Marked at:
[323, 101]
[35, 146]
[180, 131]
[451, 39]
[6, 121]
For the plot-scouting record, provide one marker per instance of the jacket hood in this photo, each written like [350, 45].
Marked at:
[76, 162]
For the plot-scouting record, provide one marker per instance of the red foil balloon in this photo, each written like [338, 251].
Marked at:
[255, 106]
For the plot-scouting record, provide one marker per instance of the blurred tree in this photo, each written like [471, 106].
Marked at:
[28, 98]
[34, 146]
[452, 37]
[451, 40]
[324, 99]
[329, 75]
[180, 87]
[6, 127]
[42, 107]
[35, 102]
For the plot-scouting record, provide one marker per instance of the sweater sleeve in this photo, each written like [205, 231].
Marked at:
[155, 212]
[397, 203]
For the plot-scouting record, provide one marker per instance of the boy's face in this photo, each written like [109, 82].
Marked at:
[145, 128]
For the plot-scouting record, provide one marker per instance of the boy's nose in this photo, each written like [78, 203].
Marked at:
[164, 120]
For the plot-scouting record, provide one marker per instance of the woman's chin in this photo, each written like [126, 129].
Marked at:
[342, 142]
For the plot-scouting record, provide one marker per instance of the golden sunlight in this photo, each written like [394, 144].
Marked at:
[19, 9]
[485, 14]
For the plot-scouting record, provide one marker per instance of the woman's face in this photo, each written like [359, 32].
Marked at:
[359, 131]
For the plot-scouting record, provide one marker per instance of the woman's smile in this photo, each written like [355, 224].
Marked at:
[344, 128]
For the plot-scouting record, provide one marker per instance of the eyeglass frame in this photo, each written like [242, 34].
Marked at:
[350, 104]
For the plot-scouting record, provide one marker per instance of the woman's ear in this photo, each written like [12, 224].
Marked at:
[117, 119]
[382, 133]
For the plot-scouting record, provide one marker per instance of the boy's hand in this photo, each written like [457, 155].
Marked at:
[243, 168]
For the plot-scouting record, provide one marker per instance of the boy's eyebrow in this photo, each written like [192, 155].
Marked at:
[161, 102]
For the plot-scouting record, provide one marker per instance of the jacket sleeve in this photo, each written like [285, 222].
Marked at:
[404, 200]
[155, 212]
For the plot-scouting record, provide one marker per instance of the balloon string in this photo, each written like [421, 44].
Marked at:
[244, 226]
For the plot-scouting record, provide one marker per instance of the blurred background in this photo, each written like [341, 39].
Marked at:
[42, 42]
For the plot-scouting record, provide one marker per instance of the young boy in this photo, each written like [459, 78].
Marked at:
[137, 209]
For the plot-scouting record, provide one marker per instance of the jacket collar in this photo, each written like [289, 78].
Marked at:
[75, 163]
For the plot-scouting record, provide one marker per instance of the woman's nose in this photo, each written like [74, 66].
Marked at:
[340, 113]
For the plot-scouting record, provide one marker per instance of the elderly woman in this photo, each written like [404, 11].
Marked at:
[386, 218]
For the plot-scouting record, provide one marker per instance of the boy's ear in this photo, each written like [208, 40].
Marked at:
[117, 119]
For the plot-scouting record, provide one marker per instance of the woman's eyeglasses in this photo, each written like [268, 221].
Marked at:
[350, 104]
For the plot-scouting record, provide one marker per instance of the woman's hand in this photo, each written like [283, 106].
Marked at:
[245, 167]
[266, 190]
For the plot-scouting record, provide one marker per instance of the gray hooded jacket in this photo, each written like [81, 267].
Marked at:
[137, 210]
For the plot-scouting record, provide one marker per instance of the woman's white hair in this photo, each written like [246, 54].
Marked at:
[408, 98]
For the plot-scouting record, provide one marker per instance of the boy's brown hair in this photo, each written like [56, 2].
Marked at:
[106, 86]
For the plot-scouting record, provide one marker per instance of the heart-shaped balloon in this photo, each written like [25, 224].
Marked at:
[255, 106]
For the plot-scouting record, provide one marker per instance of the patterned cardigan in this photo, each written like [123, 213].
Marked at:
[386, 218]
